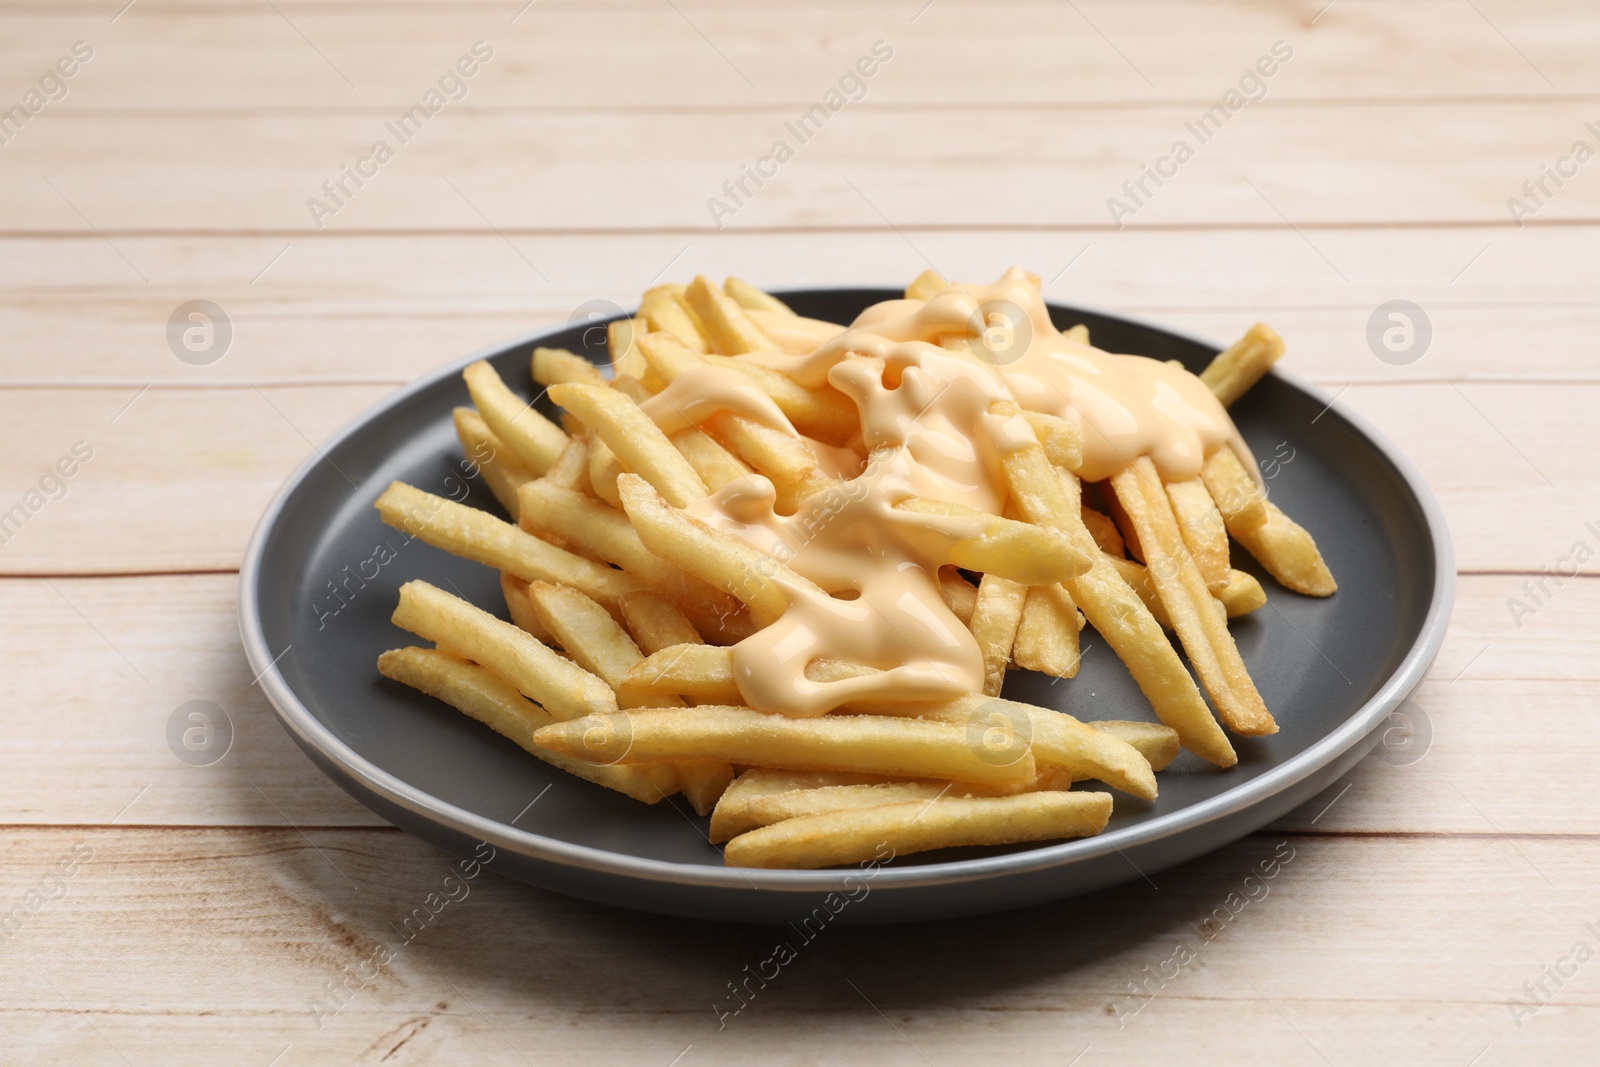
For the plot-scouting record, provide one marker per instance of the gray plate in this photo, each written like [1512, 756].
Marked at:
[314, 612]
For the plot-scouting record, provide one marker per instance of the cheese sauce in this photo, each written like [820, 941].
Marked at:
[924, 403]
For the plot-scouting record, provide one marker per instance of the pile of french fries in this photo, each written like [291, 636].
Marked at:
[616, 665]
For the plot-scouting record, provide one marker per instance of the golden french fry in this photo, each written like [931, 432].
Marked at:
[728, 329]
[960, 595]
[553, 366]
[752, 299]
[1203, 531]
[656, 622]
[1280, 544]
[1115, 610]
[1104, 531]
[1182, 589]
[1242, 364]
[635, 440]
[533, 438]
[502, 471]
[1020, 551]
[1242, 595]
[908, 748]
[702, 673]
[1047, 636]
[663, 311]
[1060, 438]
[1138, 580]
[994, 624]
[481, 694]
[604, 469]
[571, 468]
[927, 285]
[741, 813]
[1078, 333]
[520, 607]
[1156, 743]
[562, 687]
[847, 837]
[479, 536]
[715, 465]
[625, 355]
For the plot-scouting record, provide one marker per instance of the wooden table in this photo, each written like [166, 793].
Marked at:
[174, 914]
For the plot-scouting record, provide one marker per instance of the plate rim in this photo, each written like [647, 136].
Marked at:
[309, 732]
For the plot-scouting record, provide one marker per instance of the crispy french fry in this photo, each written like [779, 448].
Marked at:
[1061, 439]
[743, 812]
[1242, 595]
[902, 747]
[1182, 589]
[1020, 551]
[1242, 364]
[1138, 580]
[1047, 636]
[479, 536]
[700, 672]
[604, 469]
[520, 607]
[1156, 743]
[571, 468]
[656, 622]
[994, 624]
[1281, 545]
[1104, 531]
[782, 457]
[926, 286]
[533, 438]
[635, 440]
[752, 299]
[715, 465]
[845, 837]
[728, 329]
[625, 355]
[1116, 611]
[481, 694]
[960, 595]
[553, 366]
[564, 689]
[663, 311]
[1078, 333]
[1203, 531]
[502, 471]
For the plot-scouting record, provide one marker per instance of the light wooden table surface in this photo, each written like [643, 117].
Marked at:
[161, 913]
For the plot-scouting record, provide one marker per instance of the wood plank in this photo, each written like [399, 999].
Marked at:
[1492, 705]
[391, 307]
[203, 56]
[210, 946]
[1274, 166]
[1489, 452]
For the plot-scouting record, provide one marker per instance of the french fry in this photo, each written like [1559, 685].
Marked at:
[728, 329]
[1078, 333]
[635, 440]
[715, 465]
[502, 471]
[564, 689]
[520, 607]
[1116, 612]
[625, 355]
[1156, 743]
[752, 299]
[1020, 551]
[782, 457]
[1242, 595]
[927, 285]
[1104, 531]
[604, 469]
[1280, 544]
[1203, 531]
[482, 538]
[1242, 364]
[553, 366]
[605, 533]
[571, 468]
[1060, 438]
[1047, 636]
[483, 695]
[699, 672]
[662, 310]
[847, 837]
[1138, 580]
[656, 623]
[534, 439]
[743, 812]
[994, 624]
[902, 747]
[1182, 589]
